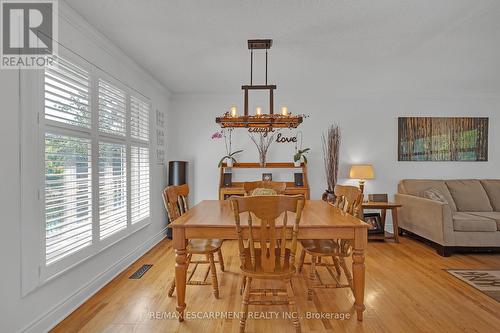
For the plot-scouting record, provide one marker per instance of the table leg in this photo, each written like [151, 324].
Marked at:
[180, 269]
[383, 215]
[358, 270]
[395, 224]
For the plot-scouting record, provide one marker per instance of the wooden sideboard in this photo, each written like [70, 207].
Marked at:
[236, 188]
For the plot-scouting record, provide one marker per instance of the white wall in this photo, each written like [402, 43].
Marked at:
[369, 135]
[46, 306]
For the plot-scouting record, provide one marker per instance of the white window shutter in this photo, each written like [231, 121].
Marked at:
[112, 109]
[139, 119]
[68, 195]
[119, 141]
[112, 189]
[67, 94]
[139, 183]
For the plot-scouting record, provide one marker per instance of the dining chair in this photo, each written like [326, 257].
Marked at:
[349, 199]
[261, 188]
[272, 260]
[176, 203]
[250, 187]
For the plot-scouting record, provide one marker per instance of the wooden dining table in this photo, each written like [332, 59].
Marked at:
[320, 220]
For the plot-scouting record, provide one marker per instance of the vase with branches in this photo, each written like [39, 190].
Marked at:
[262, 141]
[331, 151]
[228, 142]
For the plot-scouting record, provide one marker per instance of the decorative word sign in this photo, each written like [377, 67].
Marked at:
[160, 137]
[282, 139]
[262, 130]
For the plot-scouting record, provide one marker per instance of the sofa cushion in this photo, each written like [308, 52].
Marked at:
[490, 215]
[418, 186]
[492, 187]
[472, 223]
[469, 195]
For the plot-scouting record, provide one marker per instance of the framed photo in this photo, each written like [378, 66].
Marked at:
[375, 222]
[267, 177]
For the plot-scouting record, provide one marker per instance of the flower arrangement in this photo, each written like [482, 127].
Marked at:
[227, 135]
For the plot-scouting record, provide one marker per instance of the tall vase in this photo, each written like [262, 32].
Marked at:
[262, 160]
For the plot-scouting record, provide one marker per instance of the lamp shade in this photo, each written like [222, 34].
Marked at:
[361, 171]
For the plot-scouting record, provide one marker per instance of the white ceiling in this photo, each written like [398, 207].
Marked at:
[365, 46]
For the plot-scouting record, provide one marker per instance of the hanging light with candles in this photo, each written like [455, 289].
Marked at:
[264, 121]
[234, 111]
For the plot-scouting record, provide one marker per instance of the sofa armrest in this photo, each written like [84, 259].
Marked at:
[427, 218]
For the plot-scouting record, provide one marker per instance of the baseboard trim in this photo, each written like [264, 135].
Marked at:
[51, 318]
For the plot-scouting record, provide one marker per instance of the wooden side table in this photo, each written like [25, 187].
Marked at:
[383, 207]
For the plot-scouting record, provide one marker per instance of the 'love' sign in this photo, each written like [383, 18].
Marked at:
[282, 139]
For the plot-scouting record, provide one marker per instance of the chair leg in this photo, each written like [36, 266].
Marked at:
[312, 278]
[221, 260]
[347, 272]
[292, 306]
[336, 264]
[301, 261]
[213, 270]
[243, 283]
[244, 305]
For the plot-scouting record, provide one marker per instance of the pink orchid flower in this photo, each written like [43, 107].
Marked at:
[217, 135]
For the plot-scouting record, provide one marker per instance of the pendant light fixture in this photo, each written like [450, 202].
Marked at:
[260, 122]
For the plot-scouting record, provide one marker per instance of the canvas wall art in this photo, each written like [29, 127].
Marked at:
[442, 139]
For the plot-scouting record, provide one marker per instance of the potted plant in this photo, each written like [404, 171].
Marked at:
[229, 157]
[299, 156]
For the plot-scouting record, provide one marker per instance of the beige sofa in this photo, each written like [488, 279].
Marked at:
[468, 219]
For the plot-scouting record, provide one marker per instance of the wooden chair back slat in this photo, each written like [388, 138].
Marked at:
[349, 199]
[175, 201]
[279, 187]
[183, 193]
[268, 210]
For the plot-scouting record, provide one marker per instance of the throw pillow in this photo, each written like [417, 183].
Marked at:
[434, 194]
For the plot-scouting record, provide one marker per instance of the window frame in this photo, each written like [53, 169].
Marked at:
[33, 126]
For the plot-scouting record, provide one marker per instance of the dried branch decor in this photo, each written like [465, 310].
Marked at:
[262, 141]
[331, 149]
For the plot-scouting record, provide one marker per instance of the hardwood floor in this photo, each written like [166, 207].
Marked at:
[407, 290]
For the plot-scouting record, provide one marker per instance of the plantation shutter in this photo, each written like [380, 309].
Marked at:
[139, 119]
[112, 189]
[95, 132]
[112, 109]
[139, 183]
[68, 195]
[67, 167]
[67, 94]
